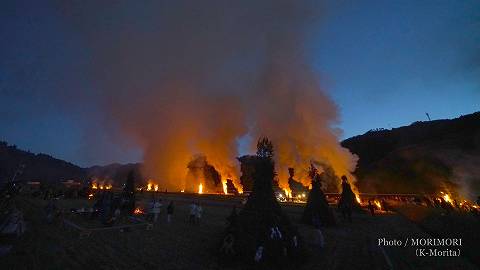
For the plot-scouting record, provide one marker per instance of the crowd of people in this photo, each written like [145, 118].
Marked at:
[107, 209]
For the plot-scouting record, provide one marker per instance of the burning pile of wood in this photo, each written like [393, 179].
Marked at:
[203, 177]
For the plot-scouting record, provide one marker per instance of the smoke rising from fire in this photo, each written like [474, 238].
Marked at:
[181, 78]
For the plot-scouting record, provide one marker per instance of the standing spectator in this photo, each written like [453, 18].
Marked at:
[157, 206]
[150, 214]
[319, 239]
[170, 211]
[371, 207]
[193, 212]
[198, 213]
[50, 210]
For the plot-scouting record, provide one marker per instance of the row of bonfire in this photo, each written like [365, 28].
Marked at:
[261, 235]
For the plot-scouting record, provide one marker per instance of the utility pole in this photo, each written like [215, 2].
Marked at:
[428, 116]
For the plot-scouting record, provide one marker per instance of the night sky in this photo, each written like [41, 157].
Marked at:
[384, 63]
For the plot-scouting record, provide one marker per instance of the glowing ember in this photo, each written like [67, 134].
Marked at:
[94, 185]
[182, 190]
[108, 186]
[138, 211]
[200, 189]
[90, 196]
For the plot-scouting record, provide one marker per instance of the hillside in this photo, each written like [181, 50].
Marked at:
[44, 168]
[424, 156]
[35, 167]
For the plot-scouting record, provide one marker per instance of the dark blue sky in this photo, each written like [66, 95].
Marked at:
[385, 63]
[389, 62]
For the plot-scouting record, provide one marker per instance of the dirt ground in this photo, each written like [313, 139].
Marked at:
[180, 245]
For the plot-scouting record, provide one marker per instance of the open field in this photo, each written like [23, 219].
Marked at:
[180, 245]
[447, 224]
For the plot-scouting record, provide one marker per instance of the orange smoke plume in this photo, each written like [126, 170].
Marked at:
[179, 91]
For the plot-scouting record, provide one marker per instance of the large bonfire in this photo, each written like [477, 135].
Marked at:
[262, 236]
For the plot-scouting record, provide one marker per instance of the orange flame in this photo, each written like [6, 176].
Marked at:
[138, 211]
[446, 197]
[200, 189]
[378, 204]
[357, 197]
[225, 189]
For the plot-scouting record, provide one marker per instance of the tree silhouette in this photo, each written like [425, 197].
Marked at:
[262, 228]
[265, 148]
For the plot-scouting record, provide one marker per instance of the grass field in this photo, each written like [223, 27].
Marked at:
[180, 245]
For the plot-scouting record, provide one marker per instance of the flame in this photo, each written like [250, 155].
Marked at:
[288, 193]
[447, 198]
[378, 204]
[225, 189]
[156, 188]
[138, 211]
[357, 197]
[90, 196]
[101, 185]
[200, 189]
[183, 190]
[149, 186]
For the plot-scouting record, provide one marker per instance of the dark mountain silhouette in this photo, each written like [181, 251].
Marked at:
[35, 167]
[44, 168]
[422, 157]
